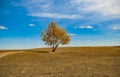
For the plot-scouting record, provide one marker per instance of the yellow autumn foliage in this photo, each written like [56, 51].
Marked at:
[54, 36]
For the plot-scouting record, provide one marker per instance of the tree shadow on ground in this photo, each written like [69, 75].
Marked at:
[39, 51]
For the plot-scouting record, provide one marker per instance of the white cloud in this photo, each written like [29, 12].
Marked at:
[115, 27]
[109, 8]
[84, 27]
[32, 25]
[73, 9]
[87, 26]
[3, 27]
[71, 34]
[55, 15]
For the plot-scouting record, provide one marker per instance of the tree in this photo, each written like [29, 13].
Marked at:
[54, 36]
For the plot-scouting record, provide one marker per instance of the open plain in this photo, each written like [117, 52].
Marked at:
[65, 62]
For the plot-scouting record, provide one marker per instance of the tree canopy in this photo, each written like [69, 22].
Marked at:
[54, 36]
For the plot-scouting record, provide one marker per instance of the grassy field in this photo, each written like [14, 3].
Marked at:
[65, 62]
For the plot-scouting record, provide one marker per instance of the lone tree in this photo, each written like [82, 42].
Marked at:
[54, 36]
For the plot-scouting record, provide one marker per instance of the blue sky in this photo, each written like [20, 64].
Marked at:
[89, 22]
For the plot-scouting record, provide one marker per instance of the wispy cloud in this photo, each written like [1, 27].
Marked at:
[89, 9]
[84, 27]
[115, 27]
[32, 25]
[71, 34]
[109, 8]
[3, 27]
[55, 15]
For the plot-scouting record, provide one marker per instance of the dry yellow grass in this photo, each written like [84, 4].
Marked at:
[65, 62]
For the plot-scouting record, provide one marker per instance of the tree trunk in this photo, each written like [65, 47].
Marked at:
[54, 48]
